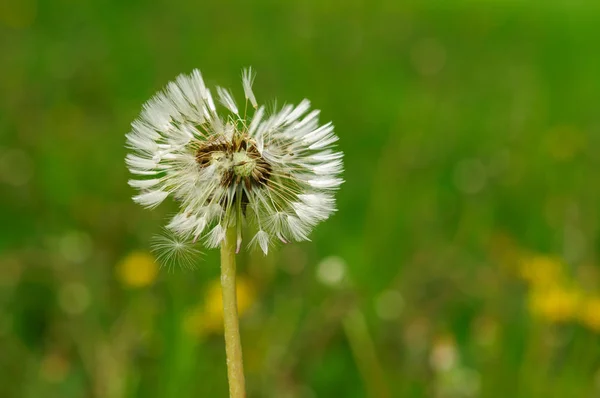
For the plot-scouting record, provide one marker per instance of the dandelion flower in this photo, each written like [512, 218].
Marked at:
[136, 270]
[557, 304]
[590, 313]
[275, 174]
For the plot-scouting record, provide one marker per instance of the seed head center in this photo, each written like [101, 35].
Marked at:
[237, 161]
[243, 165]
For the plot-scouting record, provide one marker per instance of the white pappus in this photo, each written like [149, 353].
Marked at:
[274, 175]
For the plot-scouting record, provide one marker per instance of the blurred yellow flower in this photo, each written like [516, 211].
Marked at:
[207, 317]
[541, 270]
[555, 304]
[590, 313]
[137, 269]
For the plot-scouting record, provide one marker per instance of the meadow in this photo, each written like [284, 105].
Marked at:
[462, 261]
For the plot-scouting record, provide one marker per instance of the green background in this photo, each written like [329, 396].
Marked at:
[471, 131]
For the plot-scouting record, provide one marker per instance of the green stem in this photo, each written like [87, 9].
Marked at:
[363, 348]
[233, 345]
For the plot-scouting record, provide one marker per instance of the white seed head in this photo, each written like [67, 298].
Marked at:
[276, 174]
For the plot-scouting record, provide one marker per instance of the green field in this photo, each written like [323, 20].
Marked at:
[462, 261]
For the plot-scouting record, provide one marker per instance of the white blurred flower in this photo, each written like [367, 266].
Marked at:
[444, 355]
[276, 173]
[331, 271]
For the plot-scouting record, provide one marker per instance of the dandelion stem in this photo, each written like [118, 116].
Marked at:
[233, 345]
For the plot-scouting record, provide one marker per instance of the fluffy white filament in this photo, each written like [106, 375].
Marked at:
[280, 191]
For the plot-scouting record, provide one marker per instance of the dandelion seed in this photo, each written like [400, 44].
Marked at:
[275, 173]
[171, 250]
[247, 81]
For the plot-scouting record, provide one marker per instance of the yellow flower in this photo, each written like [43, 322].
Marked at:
[207, 317]
[138, 269]
[554, 304]
[541, 270]
[590, 313]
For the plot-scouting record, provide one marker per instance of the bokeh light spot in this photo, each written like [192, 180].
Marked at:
[331, 271]
[470, 176]
[74, 298]
[428, 56]
[75, 246]
[389, 305]
[443, 356]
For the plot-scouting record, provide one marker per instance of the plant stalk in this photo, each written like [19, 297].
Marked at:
[233, 345]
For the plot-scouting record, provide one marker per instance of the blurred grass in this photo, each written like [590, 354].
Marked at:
[471, 131]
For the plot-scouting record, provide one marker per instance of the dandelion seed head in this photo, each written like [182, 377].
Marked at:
[273, 172]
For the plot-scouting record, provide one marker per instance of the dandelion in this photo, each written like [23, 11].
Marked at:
[137, 270]
[233, 172]
[557, 304]
[542, 270]
[590, 313]
[276, 174]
